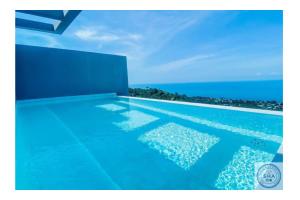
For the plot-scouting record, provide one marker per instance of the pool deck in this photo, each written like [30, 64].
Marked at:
[270, 112]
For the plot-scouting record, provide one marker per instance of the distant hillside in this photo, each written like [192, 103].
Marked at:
[160, 94]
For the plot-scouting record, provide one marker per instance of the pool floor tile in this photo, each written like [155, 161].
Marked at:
[239, 174]
[184, 146]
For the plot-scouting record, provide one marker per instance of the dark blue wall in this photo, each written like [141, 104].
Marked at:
[47, 72]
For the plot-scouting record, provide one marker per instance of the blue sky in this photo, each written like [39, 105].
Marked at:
[178, 46]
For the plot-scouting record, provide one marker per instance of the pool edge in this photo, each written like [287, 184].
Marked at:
[253, 110]
[52, 100]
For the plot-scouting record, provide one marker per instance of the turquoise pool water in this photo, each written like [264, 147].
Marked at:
[121, 143]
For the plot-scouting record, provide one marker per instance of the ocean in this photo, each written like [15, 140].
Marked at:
[246, 90]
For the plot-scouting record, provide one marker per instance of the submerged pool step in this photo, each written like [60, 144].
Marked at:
[216, 125]
[239, 174]
[182, 145]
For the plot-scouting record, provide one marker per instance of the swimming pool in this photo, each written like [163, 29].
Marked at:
[110, 142]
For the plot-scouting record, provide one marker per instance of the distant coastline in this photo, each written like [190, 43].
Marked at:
[264, 90]
[155, 93]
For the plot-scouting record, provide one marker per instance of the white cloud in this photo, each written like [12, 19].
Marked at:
[95, 35]
[85, 34]
[38, 39]
[51, 41]
[147, 38]
[135, 37]
[184, 62]
[103, 34]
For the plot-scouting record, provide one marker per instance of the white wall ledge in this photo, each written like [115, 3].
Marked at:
[253, 110]
[54, 100]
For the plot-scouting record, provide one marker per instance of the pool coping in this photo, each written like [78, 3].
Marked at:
[54, 100]
[253, 110]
